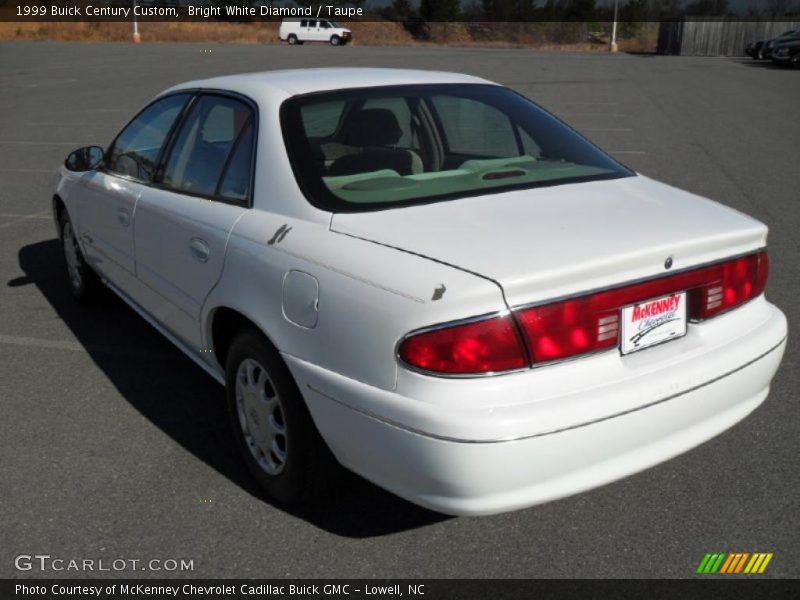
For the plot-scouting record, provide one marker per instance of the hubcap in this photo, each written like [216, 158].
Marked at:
[261, 416]
[71, 254]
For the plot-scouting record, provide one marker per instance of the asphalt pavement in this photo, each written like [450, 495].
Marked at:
[113, 445]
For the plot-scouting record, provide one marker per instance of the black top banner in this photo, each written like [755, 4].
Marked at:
[405, 11]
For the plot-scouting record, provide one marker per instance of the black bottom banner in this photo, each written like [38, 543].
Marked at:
[373, 589]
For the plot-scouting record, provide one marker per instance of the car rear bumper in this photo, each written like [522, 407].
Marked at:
[472, 462]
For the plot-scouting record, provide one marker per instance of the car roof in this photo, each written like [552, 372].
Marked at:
[303, 81]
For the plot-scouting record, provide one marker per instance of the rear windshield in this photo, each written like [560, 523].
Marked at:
[375, 148]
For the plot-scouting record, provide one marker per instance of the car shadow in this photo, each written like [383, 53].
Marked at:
[177, 397]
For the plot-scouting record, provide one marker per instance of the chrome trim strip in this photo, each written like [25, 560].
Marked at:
[445, 438]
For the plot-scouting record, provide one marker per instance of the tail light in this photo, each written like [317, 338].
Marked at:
[578, 325]
[734, 283]
[479, 347]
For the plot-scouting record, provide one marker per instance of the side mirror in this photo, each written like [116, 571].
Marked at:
[85, 159]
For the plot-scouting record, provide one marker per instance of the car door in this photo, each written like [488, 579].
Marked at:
[183, 221]
[315, 32]
[324, 31]
[107, 197]
[302, 31]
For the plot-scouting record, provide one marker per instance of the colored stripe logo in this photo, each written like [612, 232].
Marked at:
[734, 563]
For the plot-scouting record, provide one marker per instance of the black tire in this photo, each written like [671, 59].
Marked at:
[307, 466]
[292, 39]
[83, 282]
[336, 40]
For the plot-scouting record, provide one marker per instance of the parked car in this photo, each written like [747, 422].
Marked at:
[427, 277]
[763, 49]
[787, 53]
[301, 31]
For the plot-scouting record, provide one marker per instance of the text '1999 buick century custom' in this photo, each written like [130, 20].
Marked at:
[426, 277]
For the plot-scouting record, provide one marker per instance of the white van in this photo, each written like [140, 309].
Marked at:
[299, 31]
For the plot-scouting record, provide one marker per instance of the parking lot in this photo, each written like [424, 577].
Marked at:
[114, 445]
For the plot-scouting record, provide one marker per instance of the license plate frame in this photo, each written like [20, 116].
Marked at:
[653, 322]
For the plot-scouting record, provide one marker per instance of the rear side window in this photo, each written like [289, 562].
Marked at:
[213, 150]
[235, 183]
[136, 150]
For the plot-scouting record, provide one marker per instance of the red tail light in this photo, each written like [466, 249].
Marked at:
[563, 329]
[479, 347]
[734, 283]
[579, 325]
[588, 323]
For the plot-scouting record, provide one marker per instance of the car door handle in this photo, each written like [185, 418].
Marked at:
[199, 249]
[124, 216]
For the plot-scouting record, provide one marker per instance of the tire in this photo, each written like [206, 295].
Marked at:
[83, 282]
[272, 427]
[292, 39]
[336, 40]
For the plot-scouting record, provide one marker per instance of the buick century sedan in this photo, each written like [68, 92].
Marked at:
[427, 278]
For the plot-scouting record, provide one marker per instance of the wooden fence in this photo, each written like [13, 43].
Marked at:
[716, 38]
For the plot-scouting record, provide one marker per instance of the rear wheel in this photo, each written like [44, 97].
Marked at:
[336, 40]
[84, 283]
[271, 424]
[292, 39]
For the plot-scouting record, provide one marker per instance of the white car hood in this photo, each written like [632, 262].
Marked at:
[549, 242]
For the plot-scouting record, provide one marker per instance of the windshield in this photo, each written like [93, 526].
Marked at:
[375, 148]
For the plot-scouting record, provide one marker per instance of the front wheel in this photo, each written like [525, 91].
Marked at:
[271, 424]
[83, 282]
[336, 40]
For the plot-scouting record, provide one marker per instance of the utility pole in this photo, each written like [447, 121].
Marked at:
[136, 37]
[614, 28]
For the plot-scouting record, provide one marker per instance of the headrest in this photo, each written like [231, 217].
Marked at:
[373, 127]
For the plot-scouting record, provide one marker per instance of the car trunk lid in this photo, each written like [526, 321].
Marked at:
[545, 243]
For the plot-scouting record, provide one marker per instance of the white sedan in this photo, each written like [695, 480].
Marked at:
[427, 278]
